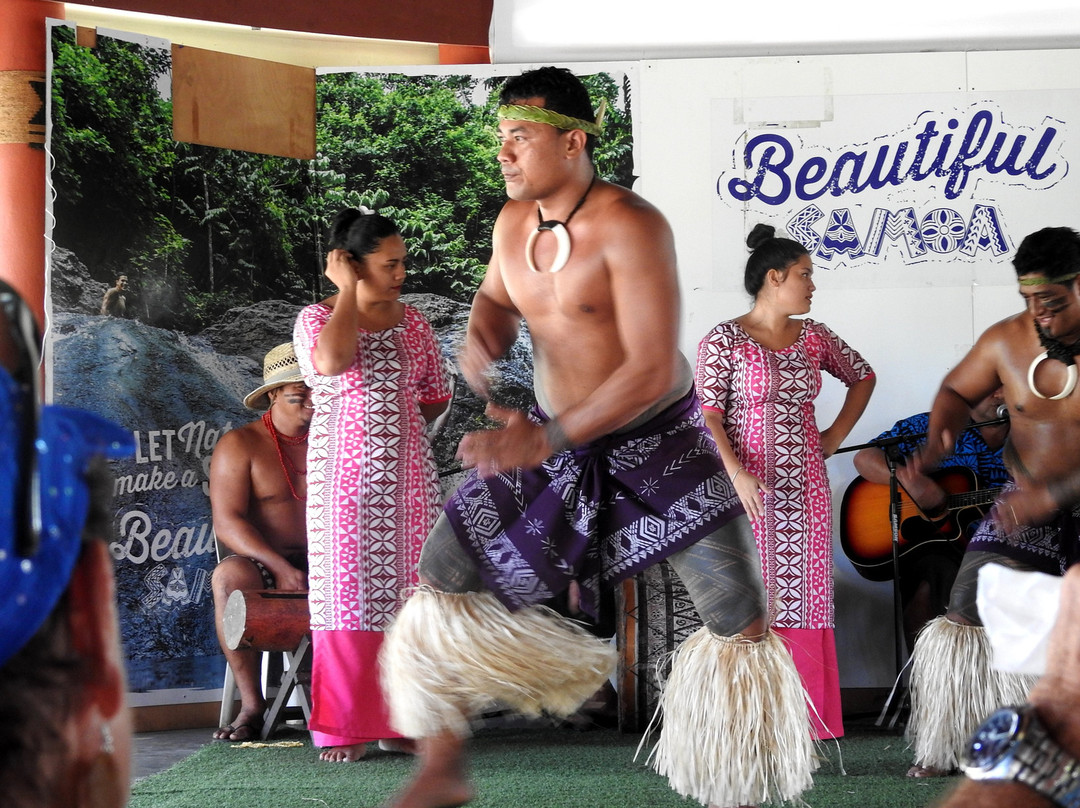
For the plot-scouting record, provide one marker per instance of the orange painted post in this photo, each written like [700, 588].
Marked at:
[464, 55]
[22, 146]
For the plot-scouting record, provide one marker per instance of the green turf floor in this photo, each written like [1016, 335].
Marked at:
[514, 768]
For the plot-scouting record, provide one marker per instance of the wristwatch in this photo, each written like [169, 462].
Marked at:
[1013, 745]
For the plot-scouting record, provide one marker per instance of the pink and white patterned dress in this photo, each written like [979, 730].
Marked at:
[373, 495]
[767, 400]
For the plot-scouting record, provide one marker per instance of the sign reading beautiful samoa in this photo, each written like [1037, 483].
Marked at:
[935, 186]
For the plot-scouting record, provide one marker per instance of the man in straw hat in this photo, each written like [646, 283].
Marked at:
[613, 472]
[258, 492]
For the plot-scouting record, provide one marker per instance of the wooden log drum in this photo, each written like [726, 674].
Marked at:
[265, 619]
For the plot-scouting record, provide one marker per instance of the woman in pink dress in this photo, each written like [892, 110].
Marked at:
[758, 376]
[377, 377]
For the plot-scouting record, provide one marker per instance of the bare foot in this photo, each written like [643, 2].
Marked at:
[223, 733]
[343, 754]
[927, 771]
[247, 726]
[398, 746]
[433, 791]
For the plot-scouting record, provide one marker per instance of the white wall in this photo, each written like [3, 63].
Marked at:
[606, 30]
[911, 319]
[563, 31]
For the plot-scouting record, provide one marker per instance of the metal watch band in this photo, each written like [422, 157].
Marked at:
[1047, 768]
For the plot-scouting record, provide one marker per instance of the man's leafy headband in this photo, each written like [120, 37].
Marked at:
[1042, 280]
[521, 112]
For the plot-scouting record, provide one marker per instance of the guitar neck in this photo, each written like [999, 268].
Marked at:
[970, 499]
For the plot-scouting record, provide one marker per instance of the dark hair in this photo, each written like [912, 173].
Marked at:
[769, 252]
[359, 233]
[1052, 251]
[39, 685]
[561, 90]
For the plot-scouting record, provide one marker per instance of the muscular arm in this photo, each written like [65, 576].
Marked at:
[979, 374]
[640, 254]
[230, 502]
[494, 323]
[968, 383]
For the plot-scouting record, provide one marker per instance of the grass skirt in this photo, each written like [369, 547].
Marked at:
[953, 688]
[449, 657]
[736, 730]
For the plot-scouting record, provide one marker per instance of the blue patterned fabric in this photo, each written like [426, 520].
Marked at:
[971, 450]
[66, 440]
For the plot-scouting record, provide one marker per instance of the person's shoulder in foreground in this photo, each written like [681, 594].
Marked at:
[66, 733]
[1056, 703]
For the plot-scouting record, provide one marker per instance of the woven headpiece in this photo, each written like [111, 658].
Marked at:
[525, 112]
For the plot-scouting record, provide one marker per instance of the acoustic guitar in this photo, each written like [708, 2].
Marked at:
[866, 530]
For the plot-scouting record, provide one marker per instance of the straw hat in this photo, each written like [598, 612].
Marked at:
[280, 367]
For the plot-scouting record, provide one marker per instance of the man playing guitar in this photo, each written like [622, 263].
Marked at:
[1035, 522]
[928, 569]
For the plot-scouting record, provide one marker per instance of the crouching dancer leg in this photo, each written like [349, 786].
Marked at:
[954, 685]
[735, 724]
[455, 651]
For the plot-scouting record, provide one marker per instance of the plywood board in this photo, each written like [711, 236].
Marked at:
[235, 102]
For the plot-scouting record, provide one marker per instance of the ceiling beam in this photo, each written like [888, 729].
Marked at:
[462, 22]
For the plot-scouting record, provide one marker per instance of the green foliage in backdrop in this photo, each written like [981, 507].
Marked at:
[199, 230]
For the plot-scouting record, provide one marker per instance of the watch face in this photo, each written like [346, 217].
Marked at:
[993, 739]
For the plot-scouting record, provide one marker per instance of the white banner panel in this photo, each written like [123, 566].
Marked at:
[910, 179]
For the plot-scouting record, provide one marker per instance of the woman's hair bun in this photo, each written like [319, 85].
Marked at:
[759, 235]
[343, 221]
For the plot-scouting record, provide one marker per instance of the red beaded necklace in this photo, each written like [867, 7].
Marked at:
[283, 459]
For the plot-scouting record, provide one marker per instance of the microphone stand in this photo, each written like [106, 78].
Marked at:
[890, 447]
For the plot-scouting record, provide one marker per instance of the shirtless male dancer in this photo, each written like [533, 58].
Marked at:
[614, 471]
[1033, 524]
[928, 569]
[257, 496]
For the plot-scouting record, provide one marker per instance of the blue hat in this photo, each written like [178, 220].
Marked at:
[44, 497]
